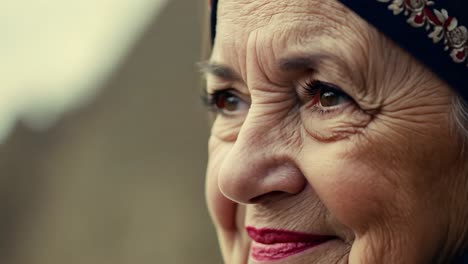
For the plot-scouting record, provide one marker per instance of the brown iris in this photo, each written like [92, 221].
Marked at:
[330, 98]
[227, 102]
[325, 94]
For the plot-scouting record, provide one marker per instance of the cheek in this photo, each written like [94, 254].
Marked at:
[222, 210]
[354, 193]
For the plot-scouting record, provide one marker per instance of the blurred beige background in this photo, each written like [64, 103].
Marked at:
[120, 180]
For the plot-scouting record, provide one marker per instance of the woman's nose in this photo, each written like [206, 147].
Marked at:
[257, 166]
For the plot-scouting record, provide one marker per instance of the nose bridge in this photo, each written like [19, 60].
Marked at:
[260, 162]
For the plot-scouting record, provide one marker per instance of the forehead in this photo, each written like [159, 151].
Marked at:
[242, 17]
[266, 31]
[252, 14]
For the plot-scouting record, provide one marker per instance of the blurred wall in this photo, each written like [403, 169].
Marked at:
[122, 180]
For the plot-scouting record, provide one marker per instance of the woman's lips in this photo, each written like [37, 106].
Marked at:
[273, 244]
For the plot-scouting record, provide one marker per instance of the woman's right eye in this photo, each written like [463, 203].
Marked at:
[227, 103]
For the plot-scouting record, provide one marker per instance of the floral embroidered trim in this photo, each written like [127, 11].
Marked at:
[443, 27]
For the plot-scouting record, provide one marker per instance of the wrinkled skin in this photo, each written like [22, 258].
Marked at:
[382, 171]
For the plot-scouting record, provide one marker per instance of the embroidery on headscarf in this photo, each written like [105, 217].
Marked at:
[421, 13]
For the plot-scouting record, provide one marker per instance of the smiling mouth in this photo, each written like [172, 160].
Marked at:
[273, 244]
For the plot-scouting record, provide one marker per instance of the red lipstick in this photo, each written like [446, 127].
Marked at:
[273, 244]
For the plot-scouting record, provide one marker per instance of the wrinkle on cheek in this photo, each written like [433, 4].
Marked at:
[356, 198]
[401, 154]
[398, 128]
[383, 163]
[222, 210]
[353, 190]
[228, 216]
[357, 194]
[426, 110]
[226, 130]
[344, 126]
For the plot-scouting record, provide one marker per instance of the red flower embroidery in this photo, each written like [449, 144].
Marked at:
[443, 27]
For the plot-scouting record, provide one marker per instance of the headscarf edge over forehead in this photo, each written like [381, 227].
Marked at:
[435, 32]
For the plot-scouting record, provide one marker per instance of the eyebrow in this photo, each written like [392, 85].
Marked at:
[313, 61]
[296, 63]
[219, 70]
[307, 61]
[293, 63]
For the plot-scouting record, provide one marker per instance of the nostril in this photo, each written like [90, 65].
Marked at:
[267, 197]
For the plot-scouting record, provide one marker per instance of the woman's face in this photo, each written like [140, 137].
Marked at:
[330, 145]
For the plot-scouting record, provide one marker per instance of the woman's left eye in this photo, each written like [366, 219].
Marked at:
[326, 95]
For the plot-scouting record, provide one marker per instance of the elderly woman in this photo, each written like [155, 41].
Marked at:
[341, 131]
